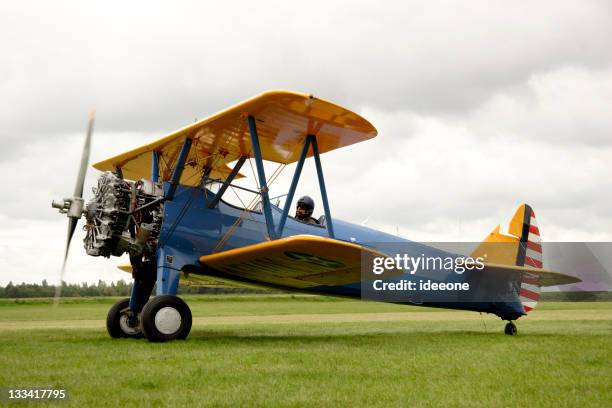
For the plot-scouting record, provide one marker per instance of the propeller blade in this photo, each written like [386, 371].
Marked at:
[72, 223]
[78, 192]
[78, 189]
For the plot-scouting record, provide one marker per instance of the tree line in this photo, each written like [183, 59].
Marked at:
[123, 288]
[102, 288]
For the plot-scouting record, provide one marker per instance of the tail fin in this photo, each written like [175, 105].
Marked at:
[522, 246]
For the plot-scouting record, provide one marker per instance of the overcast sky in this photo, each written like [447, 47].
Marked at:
[480, 106]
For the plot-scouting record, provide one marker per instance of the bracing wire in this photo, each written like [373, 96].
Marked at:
[247, 210]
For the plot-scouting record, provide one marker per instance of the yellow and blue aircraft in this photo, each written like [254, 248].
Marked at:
[163, 204]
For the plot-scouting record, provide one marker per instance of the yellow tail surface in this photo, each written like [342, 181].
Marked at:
[522, 246]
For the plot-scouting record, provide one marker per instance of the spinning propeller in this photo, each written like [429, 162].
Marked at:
[73, 206]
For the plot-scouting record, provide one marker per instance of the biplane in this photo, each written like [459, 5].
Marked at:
[164, 205]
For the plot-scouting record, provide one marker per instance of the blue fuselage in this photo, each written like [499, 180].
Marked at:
[191, 229]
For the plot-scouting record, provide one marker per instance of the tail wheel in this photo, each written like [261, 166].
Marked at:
[119, 322]
[165, 318]
[510, 329]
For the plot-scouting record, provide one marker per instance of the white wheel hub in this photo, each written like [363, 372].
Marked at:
[127, 329]
[168, 320]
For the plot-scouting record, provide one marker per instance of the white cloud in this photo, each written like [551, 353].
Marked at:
[567, 105]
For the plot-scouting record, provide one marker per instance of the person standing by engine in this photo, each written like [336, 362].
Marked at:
[304, 209]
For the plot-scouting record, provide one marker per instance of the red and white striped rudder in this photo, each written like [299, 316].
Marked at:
[530, 255]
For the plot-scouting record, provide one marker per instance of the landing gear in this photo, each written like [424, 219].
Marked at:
[120, 322]
[165, 318]
[510, 329]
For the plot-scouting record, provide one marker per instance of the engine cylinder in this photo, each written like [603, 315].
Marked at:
[123, 216]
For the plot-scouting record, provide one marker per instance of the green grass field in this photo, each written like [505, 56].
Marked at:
[281, 350]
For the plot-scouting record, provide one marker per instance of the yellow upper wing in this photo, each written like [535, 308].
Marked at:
[283, 118]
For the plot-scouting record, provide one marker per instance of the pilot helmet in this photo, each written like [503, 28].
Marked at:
[306, 203]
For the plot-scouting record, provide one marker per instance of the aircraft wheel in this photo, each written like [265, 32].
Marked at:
[118, 321]
[510, 329]
[165, 318]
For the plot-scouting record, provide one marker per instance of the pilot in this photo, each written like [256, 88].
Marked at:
[303, 211]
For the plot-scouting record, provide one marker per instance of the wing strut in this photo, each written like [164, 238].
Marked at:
[227, 182]
[294, 182]
[155, 166]
[263, 187]
[309, 140]
[178, 169]
[328, 218]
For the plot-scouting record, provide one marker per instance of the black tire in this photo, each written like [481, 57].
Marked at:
[116, 321]
[166, 318]
[510, 329]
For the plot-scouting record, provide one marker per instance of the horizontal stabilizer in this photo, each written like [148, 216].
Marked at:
[539, 277]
